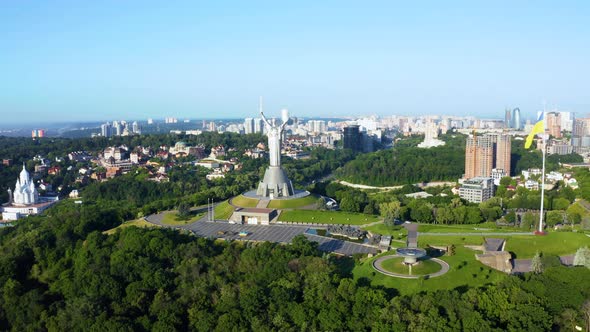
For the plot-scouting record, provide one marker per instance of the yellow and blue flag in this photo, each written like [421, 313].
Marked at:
[537, 129]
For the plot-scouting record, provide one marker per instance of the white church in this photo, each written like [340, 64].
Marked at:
[25, 199]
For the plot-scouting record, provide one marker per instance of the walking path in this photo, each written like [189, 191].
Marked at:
[477, 234]
[377, 265]
[262, 204]
[420, 185]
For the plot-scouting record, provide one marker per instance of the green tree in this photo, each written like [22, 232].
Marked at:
[528, 220]
[553, 218]
[444, 215]
[537, 264]
[582, 257]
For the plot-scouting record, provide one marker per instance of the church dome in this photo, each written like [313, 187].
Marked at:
[180, 145]
[24, 176]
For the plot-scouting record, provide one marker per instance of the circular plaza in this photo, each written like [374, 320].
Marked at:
[396, 266]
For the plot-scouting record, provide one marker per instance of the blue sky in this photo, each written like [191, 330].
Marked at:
[83, 60]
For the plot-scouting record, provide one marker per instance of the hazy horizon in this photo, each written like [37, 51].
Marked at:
[66, 61]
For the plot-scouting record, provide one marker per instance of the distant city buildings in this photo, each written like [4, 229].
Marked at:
[431, 136]
[120, 128]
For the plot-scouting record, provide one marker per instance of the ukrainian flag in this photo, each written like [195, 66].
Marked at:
[539, 128]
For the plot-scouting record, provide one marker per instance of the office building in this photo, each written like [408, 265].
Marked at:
[516, 122]
[507, 118]
[352, 138]
[477, 190]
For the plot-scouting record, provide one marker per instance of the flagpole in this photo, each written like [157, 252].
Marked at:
[540, 230]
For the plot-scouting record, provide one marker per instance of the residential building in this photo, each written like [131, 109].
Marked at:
[479, 156]
[248, 126]
[503, 153]
[484, 153]
[553, 124]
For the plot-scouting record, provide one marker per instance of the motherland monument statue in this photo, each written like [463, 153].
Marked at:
[275, 183]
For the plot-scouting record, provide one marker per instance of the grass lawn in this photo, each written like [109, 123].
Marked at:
[398, 232]
[464, 271]
[396, 265]
[171, 219]
[293, 203]
[327, 217]
[243, 201]
[554, 243]
[523, 246]
[223, 210]
[137, 223]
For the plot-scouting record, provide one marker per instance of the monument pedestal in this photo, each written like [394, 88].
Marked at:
[275, 183]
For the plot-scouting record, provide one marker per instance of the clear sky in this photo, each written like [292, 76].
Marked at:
[98, 60]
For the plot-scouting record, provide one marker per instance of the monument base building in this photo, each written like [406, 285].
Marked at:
[275, 184]
[11, 212]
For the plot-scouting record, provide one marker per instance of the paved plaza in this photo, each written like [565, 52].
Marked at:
[272, 233]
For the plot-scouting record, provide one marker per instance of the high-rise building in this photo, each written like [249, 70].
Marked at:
[479, 156]
[150, 121]
[352, 138]
[581, 135]
[516, 122]
[317, 126]
[248, 125]
[258, 126]
[567, 121]
[507, 118]
[485, 153]
[117, 128]
[503, 151]
[553, 123]
[106, 130]
[135, 128]
[37, 133]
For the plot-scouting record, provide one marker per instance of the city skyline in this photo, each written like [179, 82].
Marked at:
[90, 62]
